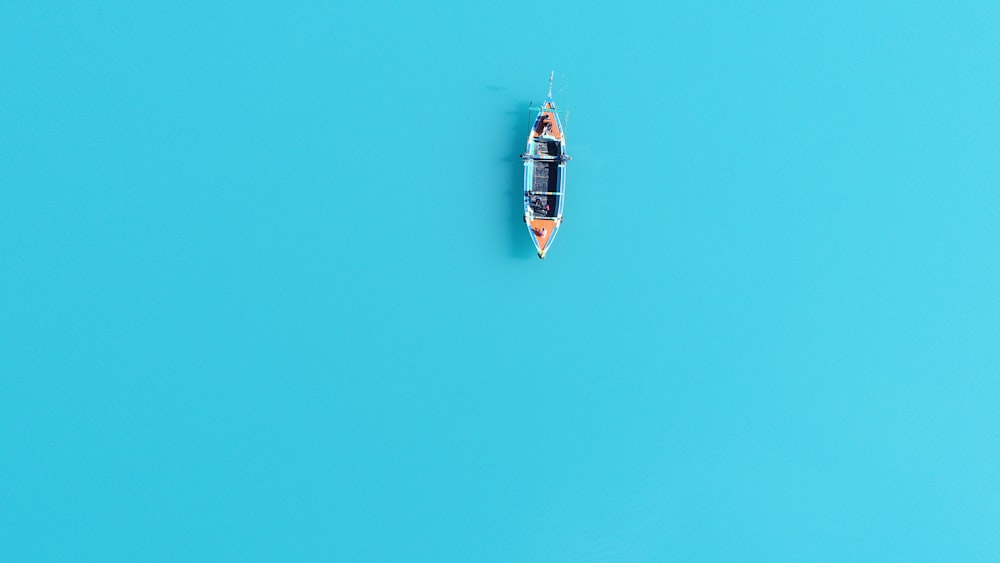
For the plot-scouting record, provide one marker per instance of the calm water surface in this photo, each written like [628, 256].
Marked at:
[266, 293]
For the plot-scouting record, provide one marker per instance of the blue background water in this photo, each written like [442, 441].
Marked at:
[266, 294]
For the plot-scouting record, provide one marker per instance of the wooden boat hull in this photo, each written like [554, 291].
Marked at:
[545, 176]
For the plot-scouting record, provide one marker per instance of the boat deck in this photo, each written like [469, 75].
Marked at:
[547, 124]
[545, 204]
[547, 148]
[548, 226]
[545, 176]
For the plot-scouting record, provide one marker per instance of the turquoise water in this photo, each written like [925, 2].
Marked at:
[266, 293]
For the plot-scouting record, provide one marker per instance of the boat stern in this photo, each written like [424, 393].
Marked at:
[542, 232]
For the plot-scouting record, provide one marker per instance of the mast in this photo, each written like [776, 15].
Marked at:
[551, 76]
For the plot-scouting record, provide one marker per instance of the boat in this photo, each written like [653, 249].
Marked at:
[545, 174]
